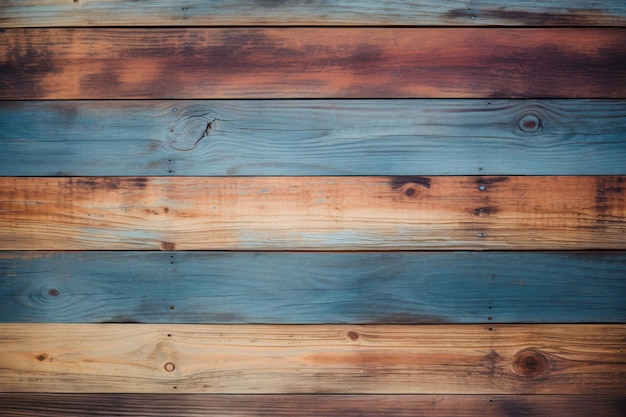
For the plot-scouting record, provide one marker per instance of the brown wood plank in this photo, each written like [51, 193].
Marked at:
[319, 359]
[31, 13]
[312, 63]
[190, 405]
[323, 213]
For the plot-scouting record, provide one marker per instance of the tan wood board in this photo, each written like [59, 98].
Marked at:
[439, 359]
[312, 213]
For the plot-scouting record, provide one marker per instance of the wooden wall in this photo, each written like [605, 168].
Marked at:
[313, 208]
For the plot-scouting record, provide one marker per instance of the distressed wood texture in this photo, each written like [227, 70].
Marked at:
[313, 288]
[312, 213]
[312, 63]
[32, 13]
[313, 137]
[252, 405]
[442, 359]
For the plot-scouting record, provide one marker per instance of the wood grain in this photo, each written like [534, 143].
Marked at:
[312, 63]
[190, 405]
[313, 288]
[313, 137]
[312, 213]
[316, 359]
[23, 13]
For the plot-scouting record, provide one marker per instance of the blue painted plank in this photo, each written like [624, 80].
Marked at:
[32, 13]
[300, 287]
[313, 137]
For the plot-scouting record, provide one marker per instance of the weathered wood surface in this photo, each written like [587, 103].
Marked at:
[318, 359]
[189, 63]
[252, 405]
[313, 288]
[313, 137]
[30, 13]
[316, 213]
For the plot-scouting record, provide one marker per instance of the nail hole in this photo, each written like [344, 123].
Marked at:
[489, 318]
[172, 307]
[481, 188]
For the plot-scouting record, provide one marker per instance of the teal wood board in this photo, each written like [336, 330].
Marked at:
[24, 13]
[300, 287]
[313, 137]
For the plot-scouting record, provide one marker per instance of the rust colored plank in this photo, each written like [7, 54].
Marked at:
[195, 405]
[323, 213]
[312, 63]
[313, 359]
[48, 13]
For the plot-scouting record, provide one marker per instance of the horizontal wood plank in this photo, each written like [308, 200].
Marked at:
[22, 13]
[313, 137]
[190, 405]
[312, 213]
[283, 63]
[441, 359]
[313, 288]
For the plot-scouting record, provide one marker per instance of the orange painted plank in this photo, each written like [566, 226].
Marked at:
[312, 213]
[313, 359]
[250, 405]
[312, 62]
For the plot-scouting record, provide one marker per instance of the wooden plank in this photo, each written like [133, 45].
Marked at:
[313, 288]
[190, 405]
[313, 359]
[22, 13]
[313, 137]
[99, 63]
[312, 213]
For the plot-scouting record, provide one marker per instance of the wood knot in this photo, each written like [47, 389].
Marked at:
[42, 357]
[191, 127]
[353, 335]
[411, 186]
[530, 363]
[529, 123]
[168, 246]
[53, 292]
[169, 367]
